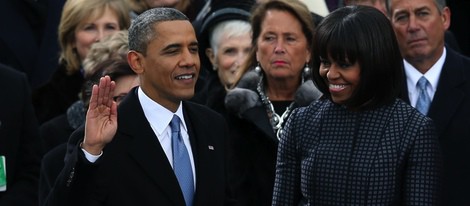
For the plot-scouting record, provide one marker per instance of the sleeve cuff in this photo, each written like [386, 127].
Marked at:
[91, 158]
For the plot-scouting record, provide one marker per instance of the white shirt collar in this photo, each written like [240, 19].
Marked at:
[432, 75]
[158, 116]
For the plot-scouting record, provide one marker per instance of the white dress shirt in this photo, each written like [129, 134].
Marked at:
[432, 75]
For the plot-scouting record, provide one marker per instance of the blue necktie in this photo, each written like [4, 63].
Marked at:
[181, 162]
[423, 98]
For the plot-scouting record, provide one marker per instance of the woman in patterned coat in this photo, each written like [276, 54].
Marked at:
[359, 144]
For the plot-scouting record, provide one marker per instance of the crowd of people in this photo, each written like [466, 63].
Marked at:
[233, 102]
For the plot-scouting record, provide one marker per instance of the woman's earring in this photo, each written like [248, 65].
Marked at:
[307, 73]
[258, 68]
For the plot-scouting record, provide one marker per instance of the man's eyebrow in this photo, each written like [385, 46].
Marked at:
[399, 11]
[171, 46]
[194, 43]
[415, 9]
[422, 8]
[178, 45]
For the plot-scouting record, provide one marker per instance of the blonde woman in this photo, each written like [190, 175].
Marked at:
[82, 24]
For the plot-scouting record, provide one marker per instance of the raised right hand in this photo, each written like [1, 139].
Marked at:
[101, 117]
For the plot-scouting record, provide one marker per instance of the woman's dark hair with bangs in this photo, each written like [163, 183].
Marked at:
[364, 35]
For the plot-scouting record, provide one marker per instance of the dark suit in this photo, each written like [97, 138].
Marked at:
[134, 169]
[450, 111]
[19, 139]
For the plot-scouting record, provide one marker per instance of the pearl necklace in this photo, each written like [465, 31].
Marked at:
[274, 118]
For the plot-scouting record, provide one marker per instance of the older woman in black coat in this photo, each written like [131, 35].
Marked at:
[278, 80]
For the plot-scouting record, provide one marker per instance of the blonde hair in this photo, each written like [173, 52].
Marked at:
[73, 13]
[113, 46]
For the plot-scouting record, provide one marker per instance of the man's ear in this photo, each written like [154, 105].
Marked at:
[135, 60]
[445, 16]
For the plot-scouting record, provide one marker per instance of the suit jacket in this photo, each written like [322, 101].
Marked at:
[450, 111]
[134, 169]
[329, 155]
[19, 139]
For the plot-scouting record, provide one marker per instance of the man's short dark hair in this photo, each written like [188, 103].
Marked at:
[141, 31]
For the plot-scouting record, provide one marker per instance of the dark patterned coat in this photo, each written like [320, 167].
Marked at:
[329, 155]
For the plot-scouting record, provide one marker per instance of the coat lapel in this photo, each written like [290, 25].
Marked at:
[448, 94]
[205, 144]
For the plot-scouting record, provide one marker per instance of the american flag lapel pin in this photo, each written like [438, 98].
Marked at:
[210, 147]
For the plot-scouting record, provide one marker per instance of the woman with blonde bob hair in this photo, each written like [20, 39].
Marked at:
[75, 14]
[83, 23]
